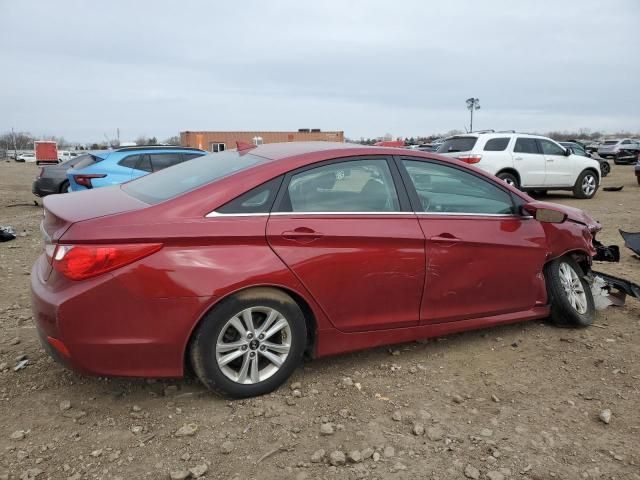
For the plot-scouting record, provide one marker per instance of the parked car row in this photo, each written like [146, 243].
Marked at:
[236, 264]
[622, 150]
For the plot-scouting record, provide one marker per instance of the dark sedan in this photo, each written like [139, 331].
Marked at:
[53, 178]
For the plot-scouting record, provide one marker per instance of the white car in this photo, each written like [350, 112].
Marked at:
[26, 157]
[529, 162]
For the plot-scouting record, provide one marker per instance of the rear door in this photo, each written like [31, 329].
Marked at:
[560, 169]
[160, 161]
[529, 161]
[483, 259]
[345, 229]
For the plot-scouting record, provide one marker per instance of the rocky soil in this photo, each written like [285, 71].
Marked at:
[521, 401]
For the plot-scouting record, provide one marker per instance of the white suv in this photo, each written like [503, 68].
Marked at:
[529, 162]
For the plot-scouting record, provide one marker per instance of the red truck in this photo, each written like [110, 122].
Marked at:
[46, 152]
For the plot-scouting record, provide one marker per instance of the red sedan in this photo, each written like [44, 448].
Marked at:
[241, 264]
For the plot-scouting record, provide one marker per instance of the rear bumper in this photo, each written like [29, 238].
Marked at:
[42, 187]
[107, 330]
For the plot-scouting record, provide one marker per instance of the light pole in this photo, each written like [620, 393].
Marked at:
[472, 104]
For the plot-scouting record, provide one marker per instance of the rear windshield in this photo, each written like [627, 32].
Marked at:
[457, 144]
[611, 142]
[184, 177]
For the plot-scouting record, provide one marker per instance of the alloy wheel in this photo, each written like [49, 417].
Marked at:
[588, 185]
[573, 288]
[253, 345]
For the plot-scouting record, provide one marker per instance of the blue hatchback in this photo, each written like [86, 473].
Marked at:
[111, 167]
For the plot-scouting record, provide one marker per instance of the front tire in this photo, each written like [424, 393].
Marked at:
[250, 343]
[569, 294]
[64, 188]
[509, 178]
[586, 186]
[605, 168]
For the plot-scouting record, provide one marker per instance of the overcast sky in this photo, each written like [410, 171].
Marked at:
[80, 69]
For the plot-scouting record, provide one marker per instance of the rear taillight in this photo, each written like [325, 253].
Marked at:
[85, 179]
[79, 262]
[469, 158]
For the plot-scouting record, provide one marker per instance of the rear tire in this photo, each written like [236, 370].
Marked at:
[509, 178]
[64, 188]
[239, 328]
[569, 294]
[586, 186]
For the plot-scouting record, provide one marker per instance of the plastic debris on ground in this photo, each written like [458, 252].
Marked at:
[631, 241]
[6, 234]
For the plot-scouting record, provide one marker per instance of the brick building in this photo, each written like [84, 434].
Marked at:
[218, 141]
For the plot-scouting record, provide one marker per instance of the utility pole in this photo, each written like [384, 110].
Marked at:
[15, 147]
[472, 104]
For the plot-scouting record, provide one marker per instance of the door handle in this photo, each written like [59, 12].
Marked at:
[302, 235]
[445, 239]
[518, 158]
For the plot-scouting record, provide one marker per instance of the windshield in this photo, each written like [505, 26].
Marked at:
[457, 144]
[186, 176]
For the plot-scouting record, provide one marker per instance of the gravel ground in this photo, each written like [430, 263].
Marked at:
[520, 401]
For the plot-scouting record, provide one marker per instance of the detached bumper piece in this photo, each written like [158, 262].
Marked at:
[604, 283]
[631, 241]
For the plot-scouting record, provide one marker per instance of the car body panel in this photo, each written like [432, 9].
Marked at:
[156, 302]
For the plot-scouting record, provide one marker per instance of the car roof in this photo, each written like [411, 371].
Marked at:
[156, 147]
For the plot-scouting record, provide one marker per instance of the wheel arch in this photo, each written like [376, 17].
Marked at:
[581, 257]
[512, 171]
[308, 313]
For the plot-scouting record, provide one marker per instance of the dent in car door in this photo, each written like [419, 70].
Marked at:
[482, 259]
[341, 232]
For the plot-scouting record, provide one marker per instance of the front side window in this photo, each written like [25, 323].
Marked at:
[444, 189]
[526, 145]
[496, 144]
[350, 186]
[550, 148]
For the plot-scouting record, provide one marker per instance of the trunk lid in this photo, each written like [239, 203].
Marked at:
[62, 211]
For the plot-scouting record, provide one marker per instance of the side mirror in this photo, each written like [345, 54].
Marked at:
[544, 213]
[567, 152]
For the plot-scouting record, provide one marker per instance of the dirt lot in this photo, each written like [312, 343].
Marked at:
[520, 401]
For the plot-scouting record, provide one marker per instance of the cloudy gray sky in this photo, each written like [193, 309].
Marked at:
[80, 69]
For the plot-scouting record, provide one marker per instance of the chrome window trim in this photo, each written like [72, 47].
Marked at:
[340, 213]
[215, 214]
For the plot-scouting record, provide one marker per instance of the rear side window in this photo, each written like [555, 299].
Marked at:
[611, 142]
[350, 186]
[257, 200]
[144, 164]
[526, 145]
[160, 161]
[458, 144]
[187, 176]
[129, 162]
[497, 144]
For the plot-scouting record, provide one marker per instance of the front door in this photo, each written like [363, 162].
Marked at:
[341, 229]
[560, 167]
[483, 259]
[529, 161]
